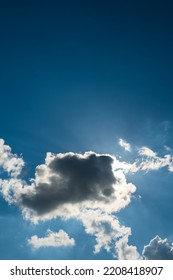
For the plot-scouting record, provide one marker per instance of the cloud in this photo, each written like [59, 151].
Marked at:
[10, 162]
[125, 145]
[125, 251]
[158, 249]
[148, 160]
[167, 148]
[11, 189]
[151, 161]
[105, 227]
[145, 151]
[88, 187]
[68, 183]
[70, 178]
[53, 239]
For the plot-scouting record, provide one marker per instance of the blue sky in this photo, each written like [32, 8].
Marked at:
[78, 76]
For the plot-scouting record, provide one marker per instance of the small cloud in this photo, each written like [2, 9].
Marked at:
[167, 148]
[53, 239]
[158, 249]
[10, 162]
[125, 145]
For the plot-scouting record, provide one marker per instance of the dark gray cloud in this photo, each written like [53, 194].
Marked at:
[70, 178]
[158, 249]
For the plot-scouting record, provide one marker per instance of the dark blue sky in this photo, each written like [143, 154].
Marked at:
[69, 62]
[79, 75]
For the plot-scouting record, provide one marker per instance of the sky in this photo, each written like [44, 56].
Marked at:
[86, 129]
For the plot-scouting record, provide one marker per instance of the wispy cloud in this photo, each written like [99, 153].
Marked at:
[125, 145]
[167, 148]
[151, 161]
[145, 151]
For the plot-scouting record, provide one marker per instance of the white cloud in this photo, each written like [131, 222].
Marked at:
[53, 239]
[10, 162]
[125, 145]
[152, 161]
[12, 189]
[105, 227]
[145, 151]
[125, 251]
[158, 249]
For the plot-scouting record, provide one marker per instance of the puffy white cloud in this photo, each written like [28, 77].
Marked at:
[158, 249]
[10, 162]
[53, 239]
[125, 145]
[125, 251]
[11, 189]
